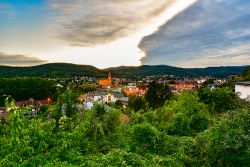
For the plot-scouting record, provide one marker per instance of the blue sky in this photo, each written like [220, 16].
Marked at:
[194, 33]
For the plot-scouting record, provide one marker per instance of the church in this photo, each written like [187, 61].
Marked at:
[106, 82]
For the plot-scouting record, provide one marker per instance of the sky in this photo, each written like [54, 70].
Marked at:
[109, 33]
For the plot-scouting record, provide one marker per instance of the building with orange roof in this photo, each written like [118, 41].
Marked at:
[105, 82]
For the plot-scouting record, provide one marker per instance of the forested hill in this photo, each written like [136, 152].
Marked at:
[50, 70]
[69, 70]
[147, 70]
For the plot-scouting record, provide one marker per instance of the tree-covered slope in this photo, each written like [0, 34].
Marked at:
[69, 70]
[147, 70]
[49, 70]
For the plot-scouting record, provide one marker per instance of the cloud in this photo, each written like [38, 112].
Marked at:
[237, 55]
[19, 60]
[103, 33]
[94, 22]
[208, 30]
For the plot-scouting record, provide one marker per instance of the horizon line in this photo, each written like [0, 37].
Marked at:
[27, 66]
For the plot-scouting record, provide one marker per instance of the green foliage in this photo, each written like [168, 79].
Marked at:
[181, 133]
[145, 137]
[136, 103]
[220, 99]
[85, 88]
[190, 115]
[26, 88]
[53, 70]
[118, 103]
[157, 94]
[226, 143]
[246, 73]
[67, 102]
[63, 70]
[65, 123]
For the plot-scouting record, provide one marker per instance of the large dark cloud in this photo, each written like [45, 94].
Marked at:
[93, 22]
[19, 60]
[211, 32]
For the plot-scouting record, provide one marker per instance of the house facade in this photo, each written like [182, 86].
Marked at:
[102, 97]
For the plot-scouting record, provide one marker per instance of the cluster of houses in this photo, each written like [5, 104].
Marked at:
[183, 85]
[134, 90]
[103, 97]
[32, 104]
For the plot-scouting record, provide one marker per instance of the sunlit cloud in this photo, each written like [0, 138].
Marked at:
[92, 22]
[107, 33]
[19, 60]
[111, 31]
[102, 33]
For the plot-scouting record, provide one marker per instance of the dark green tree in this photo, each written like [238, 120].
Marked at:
[157, 94]
[136, 102]
[220, 99]
[246, 73]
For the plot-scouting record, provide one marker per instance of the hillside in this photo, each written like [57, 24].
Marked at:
[69, 70]
[49, 70]
[147, 70]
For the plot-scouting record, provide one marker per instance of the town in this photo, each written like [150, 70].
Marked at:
[85, 119]
[124, 83]
[110, 90]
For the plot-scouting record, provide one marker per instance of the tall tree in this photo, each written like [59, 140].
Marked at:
[157, 94]
[136, 102]
[220, 99]
[246, 73]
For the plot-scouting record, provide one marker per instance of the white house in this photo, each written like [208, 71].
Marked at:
[102, 97]
[243, 89]
[115, 96]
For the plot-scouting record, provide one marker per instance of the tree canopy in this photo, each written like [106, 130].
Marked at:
[184, 131]
[157, 94]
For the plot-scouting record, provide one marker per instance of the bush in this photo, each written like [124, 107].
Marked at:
[145, 137]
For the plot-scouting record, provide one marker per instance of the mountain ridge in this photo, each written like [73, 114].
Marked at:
[69, 70]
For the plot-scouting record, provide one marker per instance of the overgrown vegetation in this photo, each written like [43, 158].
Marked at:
[198, 128]
[25, 88]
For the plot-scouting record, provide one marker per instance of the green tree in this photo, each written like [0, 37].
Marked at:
[26, 88]
[145, 137]
[67, 102]
[136, 102]
[246, 73]
[220, 99]
[188, 115]
[157, 94]
[227, 143]
[85, 88]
